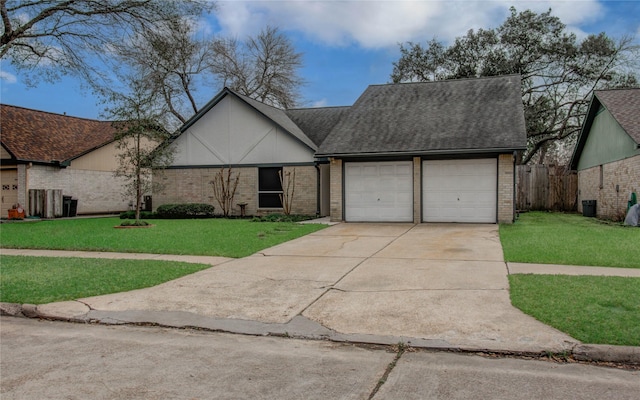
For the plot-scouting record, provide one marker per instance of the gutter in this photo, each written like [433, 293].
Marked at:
[422, 153]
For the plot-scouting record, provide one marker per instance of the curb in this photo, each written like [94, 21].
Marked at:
[627, 355]
[607, 353]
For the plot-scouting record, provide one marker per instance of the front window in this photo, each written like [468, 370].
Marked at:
[269, 187]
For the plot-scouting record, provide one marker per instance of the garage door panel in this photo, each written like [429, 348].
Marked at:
[379, 191]
[460, 190]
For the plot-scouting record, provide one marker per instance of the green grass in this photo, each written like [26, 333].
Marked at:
[570, 239]
[212, 237]
[592, 309]
[39, 280]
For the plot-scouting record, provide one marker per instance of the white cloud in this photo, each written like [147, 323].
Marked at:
[8, 77]
[380, 24]
[319, 103]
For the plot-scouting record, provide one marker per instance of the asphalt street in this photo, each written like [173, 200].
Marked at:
[58, 360]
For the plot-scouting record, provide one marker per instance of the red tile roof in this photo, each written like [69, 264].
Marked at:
[32, 135]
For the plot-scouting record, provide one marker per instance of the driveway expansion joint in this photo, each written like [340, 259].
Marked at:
[86, 304]
[421, 290]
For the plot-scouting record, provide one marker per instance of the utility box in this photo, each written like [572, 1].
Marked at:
[589, 208]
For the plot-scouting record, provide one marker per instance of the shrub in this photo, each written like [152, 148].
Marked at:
[143, 215]
[186, 210]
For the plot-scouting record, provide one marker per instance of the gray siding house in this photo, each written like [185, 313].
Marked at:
[417, 152]
[607, 154]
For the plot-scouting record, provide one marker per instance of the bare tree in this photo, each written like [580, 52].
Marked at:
[288, 183]
[264, 67]
[174, 62]
[50, 38]
[224, 189]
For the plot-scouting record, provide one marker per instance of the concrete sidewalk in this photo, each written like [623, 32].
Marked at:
[512, 267]
[430, 285]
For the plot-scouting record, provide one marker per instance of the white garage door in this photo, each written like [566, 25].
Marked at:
[379, 191]
[459, 190]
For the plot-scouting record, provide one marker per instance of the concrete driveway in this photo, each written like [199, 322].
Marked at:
[441, 284]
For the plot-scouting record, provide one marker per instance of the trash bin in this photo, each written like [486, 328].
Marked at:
[148, 206]
[73, 208]
[69, 206]
[66, 205]
[589, 208]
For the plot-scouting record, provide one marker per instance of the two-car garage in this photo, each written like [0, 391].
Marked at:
[453, 190]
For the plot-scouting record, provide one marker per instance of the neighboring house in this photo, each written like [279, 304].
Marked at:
[607, 154]
[45, 151]
[416, 152]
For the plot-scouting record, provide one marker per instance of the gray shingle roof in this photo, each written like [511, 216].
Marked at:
[624, 105]
[281, 118]
[466, 115]
[316, 123]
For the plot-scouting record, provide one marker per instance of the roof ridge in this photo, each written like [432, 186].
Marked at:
[616, 89]
[314, 108]
[478, 78]
[56, 114]
[256, 100]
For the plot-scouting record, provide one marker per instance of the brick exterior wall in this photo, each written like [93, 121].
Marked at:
[305, 199]
[611, 204]
[506, 189]
[336, 189]
[193, 185]
[97, 191]
[23, 193]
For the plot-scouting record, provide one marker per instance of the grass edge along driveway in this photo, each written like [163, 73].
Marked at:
[234, 238]
[592, 309]
[39, 280]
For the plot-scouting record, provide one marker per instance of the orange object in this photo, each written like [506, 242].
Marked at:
[16, 213]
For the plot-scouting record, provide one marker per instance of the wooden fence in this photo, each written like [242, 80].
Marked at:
[546, 187]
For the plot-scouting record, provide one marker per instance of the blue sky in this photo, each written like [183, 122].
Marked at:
[347, 45]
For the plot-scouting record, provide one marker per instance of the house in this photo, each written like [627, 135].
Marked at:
[416, 152]
[607, 154]
[46, 151]
[258, 142]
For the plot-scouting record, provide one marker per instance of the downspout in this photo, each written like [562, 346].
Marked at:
[515, 193]
[318, 195]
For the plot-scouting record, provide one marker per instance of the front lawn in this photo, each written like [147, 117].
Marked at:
[39, 280]
[569, 239]
[211, 237]
[592, 309]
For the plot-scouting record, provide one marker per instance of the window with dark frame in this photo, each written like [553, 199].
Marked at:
[269, 187]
